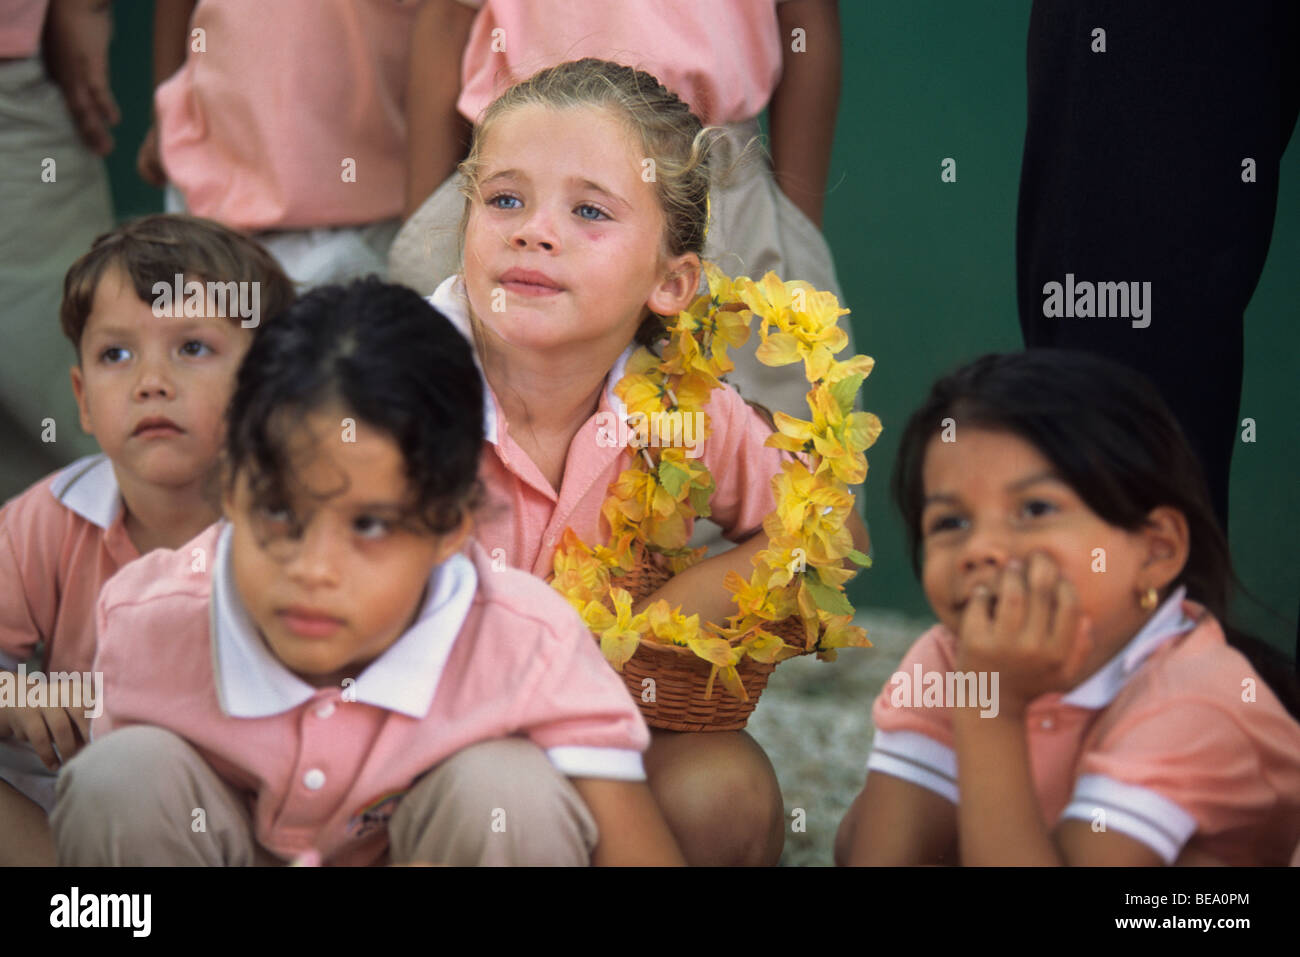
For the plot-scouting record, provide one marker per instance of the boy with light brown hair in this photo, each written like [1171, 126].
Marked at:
[154, 372]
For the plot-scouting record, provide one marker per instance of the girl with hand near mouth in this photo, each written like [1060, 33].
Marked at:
[1068, 545]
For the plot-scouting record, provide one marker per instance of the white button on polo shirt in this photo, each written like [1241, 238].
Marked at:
[314, 779]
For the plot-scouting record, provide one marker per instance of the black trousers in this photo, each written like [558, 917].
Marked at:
[1135, 170]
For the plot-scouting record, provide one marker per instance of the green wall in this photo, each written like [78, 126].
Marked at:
[929, 267]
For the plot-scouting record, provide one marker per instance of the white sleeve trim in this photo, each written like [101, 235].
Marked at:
[619, 764]
[914, 757]
[1138, 812]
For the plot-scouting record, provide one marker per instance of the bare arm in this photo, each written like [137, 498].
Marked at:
[632, 829]
[437, 135]
[77, 34]
[861, 539]
[801, 112]
[1000, 820]
[700, 590]
[895, 822]
[171, 35]
[1037, 641]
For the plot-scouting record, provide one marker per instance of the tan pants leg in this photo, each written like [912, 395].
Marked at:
[54, 201]
[133, 798]
[495, 803]
[426, 250]
[753, 228]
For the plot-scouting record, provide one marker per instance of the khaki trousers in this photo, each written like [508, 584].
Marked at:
[128, 799]
[54, 201]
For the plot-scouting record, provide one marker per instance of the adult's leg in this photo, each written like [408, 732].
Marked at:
[754, 228]
[1133, 172]
[426, 250]
[55, 201]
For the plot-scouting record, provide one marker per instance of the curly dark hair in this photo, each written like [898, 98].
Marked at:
[390, 359]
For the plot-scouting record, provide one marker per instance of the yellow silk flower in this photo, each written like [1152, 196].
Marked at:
[810, 555]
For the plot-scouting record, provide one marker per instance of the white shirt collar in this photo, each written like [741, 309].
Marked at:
[252, 683]
[450, 299]
[1102, 687]
[89, 487]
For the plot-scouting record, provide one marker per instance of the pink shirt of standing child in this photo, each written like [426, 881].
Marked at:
[492, 654]
[723, 58]
[20, 28]
[59, 542]
[524, 518]
[1175, 742]
[292, 115]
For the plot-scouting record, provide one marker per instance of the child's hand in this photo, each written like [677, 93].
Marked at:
[79, 32]
[44, 729]
[1035, 637]
[148, 161]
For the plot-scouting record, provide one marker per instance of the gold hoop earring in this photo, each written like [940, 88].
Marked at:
[1149, 599]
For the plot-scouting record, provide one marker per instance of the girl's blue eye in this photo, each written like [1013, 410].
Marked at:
[194, 348]
[367, 526]
[600, 213]
[1033, 506]
[495, 201]
[114, 354]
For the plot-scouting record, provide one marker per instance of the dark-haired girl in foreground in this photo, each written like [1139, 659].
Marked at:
[1069, 551]
[334, 674]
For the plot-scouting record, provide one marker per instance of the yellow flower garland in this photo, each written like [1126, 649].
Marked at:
[801, 574]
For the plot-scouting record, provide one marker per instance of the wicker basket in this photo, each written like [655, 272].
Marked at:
[680, 677]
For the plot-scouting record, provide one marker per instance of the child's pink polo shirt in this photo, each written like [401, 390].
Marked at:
[59, 542]
[293, 115]
[722, 58]
[492, 654]
[1175, 742]
[524, 517]
[20, 30]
